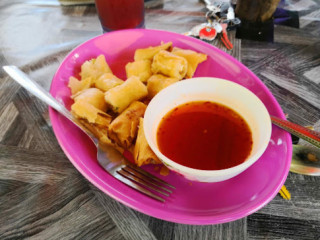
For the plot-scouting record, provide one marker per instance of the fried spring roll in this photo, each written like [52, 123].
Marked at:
[158, 82]
[93, 96]
[120, 97]
[141, 69]
[193, 58]
[83, 110]
[142, 152]
[148, 53]
[169, 64]
[107, 81]
[101, 134]
[123, 129]
[76, 85]
[94, 68]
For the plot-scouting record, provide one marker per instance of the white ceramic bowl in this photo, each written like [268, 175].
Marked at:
[225, 92]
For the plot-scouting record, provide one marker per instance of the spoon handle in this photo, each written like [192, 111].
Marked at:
[306, 134]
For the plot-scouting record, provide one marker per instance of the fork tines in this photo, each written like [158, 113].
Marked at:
[144, 182]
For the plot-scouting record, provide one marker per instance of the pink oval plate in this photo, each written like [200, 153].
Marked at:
[191, 202]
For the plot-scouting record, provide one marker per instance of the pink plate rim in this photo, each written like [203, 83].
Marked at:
[158, 213]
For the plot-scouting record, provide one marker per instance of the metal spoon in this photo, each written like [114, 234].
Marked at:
[305, 160]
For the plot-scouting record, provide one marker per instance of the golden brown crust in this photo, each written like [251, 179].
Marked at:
[123, 129]
[142, 152]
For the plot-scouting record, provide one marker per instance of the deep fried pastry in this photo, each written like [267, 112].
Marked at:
[107, 81]
[93, 96]
[158, 82]
[148, 53]
[142, 152]
[123, 129]
[169, 64]
[120, 97]
[193, 58]
[141, 69]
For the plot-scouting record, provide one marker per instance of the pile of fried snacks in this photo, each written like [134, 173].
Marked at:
[113, 109]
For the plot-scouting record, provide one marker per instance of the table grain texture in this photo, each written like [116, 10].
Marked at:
[42, 196]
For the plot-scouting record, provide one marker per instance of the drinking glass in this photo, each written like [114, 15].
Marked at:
[120, 14]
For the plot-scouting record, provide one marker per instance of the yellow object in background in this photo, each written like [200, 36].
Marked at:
[285, 193]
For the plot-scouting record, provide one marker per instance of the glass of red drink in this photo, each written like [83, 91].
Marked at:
[120, 14]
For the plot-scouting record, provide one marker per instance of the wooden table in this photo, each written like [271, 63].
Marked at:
[44, 197]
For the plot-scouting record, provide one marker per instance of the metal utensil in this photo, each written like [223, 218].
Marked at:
[306, 134]
[110, 159]
[305, 160]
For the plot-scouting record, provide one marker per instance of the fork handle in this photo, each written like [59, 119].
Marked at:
[34, 88]
[306, 134]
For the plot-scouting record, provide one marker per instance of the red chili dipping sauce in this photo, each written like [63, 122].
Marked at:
[204, 135]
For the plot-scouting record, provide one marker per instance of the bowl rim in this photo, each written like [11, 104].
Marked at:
[207, 173]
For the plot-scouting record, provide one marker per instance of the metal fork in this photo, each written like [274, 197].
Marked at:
[109, 158]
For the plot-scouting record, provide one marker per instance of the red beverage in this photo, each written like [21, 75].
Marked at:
[204, 135]
[120, 14]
